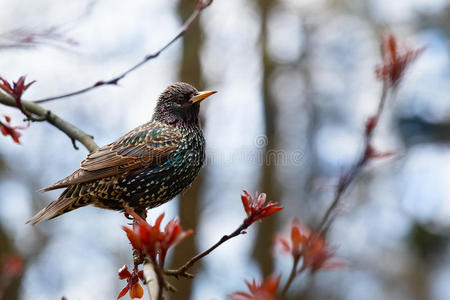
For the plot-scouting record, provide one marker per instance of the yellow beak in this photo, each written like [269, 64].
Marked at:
[201, 96]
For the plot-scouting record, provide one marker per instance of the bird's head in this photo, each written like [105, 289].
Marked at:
[180, 103]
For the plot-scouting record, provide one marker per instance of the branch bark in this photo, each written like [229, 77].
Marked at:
[74, 133]
[182, 271]
[152, 282]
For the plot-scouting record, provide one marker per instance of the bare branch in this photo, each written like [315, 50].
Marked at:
[74, 133]
[182, 271]
[390, 72]
[292, 275]
[202, 4]
[347, 178]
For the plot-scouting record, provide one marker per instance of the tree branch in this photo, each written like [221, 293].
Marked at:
[202, 4]
[151, 280]
[347, 178]
[74, 133]
[182, 271]
[292, 275]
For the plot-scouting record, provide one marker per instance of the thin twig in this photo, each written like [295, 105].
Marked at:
[202, 4]
[182, 271]
[344, 182]
[74, 133]
[347, 178]
[291, 278]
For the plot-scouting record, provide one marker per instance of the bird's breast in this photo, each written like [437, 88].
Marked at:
[158, 184]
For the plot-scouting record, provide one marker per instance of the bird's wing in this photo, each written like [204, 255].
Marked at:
[149, 145]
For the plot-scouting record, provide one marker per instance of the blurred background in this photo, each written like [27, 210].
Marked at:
[295, 78]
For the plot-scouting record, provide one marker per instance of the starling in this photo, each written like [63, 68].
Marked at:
[143, 169]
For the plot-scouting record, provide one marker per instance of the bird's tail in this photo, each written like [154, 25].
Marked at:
[63, 204]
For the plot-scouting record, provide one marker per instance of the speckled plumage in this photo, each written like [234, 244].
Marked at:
[144, 168]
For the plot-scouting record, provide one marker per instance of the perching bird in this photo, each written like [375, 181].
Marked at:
[144, 168]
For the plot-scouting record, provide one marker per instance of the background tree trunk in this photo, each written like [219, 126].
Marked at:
[268, 183]
[190, 201]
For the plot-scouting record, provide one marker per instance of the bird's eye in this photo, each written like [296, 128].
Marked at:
[187, 97]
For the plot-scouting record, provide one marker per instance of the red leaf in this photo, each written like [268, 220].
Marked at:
[295, 235]
[123, 292]
[259, 291]
[136, 291]
[28, 85]
[318, 255]
[371, 153]
[124, 273]
[15, 136]
[3, 129]
[5, 86]
[392, 45]
[149, 239]
[370, 124]
[312, 247]
[141, 275]
[18, 86]
[133, 238]
[11, 131]
[245, 199]
[283, 243]
[158, 221]
[395, 62]
[256, 207]
[16, 91]
[133, 285]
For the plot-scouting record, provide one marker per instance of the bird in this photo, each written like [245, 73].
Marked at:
[144, 168]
